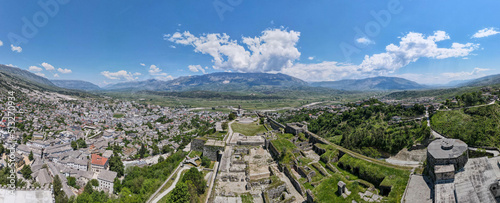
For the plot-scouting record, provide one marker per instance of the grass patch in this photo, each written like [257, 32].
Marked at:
[195, 154]
[377, 175]
[246, 198]
[282, 144]
[250, 129]
[285, 136]
[326, 191]
[217, 135]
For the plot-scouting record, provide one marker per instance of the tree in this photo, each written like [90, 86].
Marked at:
[36, 184]
[116, 165]
[142, 151]
[161, 159]
[88, 188]
[81, 143]
[225, 126]
[156, 150]
[166, 149]
[74, 145]
[30, 157]
[59, 194]
[205, 161]
[94, 182]
[71, 181]
[26, 171]
[117, 185]
[180, 194]
[232, 116]
[196, 177]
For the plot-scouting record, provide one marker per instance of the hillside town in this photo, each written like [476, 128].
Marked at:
[76, 139]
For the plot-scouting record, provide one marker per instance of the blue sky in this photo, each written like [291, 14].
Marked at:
[433, 42]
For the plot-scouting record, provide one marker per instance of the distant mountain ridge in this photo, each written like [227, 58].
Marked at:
[12, 78]
[371, 84]
[76, 84]
[483, 81]
[221, 81]
[24, 74]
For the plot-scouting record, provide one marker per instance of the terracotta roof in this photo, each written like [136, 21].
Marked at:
[98, 160]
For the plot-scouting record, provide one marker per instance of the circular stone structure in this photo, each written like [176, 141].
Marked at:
[446, 152]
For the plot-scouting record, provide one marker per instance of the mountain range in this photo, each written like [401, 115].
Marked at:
[76, 84]
[371, 84]
[219, 82]
[229, 82]
[483, 81]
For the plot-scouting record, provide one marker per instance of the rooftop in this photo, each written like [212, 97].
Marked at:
[472, 183]
[447, 148]
[99, 160]
[444, 168]
[215, 143]
[107, 175]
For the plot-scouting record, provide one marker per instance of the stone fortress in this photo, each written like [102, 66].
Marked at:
[444, 157]
[212, 149]
[460, 179]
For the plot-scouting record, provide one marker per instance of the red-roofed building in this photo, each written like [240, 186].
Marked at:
[99, 163]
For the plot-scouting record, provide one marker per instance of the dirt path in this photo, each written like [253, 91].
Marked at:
[158, 198]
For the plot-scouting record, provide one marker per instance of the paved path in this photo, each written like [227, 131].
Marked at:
[229, 132]
[494, 152]
[402, 162]
[433, 133]
[158, 198]
[212, 181]
[164, 183]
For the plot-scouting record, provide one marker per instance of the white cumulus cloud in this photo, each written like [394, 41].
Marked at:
[56, 75]
[197, 68]
[64, 71]
[48, 66]
[35, 68]
[17, 49]
[158, 73]
[1, 43]
[119, 75]
[485, 32]
[154, 70]
[412, 47]
[142, 64]
[365, 41]
[273, 50]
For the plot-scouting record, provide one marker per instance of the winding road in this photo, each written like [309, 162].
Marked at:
[169, 189]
